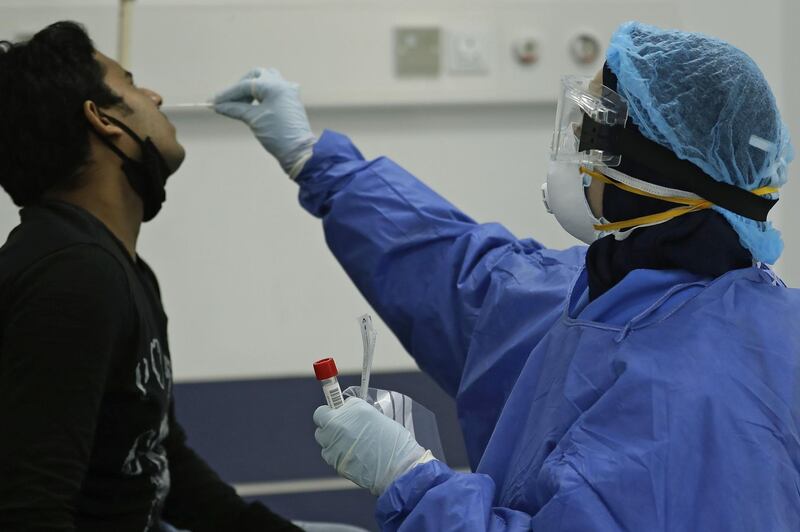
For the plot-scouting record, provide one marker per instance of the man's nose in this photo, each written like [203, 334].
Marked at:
[156, 97]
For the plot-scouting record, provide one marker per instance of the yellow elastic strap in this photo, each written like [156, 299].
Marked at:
[651, 219]
[689, 204]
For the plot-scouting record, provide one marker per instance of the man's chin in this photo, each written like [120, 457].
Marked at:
[175, 160]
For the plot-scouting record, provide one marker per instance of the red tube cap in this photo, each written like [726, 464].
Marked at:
[325, 369]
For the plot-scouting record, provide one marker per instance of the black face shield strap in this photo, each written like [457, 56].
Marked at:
[665, 165]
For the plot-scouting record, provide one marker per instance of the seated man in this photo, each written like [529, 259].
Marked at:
[88, 435]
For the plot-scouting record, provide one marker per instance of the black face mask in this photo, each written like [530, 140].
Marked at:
[147, 177]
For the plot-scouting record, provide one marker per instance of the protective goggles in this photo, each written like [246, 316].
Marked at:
[579, 99]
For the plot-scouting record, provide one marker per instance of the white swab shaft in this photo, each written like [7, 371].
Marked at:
[186, 106]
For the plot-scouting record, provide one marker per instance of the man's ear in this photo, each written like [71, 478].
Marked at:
[102, 126]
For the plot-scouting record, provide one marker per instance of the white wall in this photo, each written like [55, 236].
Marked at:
[341, 51]
[248, 283]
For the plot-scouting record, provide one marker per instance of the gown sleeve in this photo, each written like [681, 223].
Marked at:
[427, 269]
[432, 497]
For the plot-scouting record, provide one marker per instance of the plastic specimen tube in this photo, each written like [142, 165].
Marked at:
[327, 374]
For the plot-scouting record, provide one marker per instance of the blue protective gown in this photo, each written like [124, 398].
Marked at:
[669, 403]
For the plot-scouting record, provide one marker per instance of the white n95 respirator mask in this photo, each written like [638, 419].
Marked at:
[564, 196]
[564, 193]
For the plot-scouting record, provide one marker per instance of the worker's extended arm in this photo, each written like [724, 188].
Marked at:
[430, 271]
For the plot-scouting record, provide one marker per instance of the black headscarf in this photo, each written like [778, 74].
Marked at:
[702, 242]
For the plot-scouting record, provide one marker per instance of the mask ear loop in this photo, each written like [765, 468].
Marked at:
[113, 147]
[124, 128]
[142, 143]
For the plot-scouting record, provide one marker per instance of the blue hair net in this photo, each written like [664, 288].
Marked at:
[709, 103]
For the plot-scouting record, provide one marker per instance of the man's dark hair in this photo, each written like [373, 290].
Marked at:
[44, 135]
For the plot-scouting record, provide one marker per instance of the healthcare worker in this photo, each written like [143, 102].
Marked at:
[648, 382]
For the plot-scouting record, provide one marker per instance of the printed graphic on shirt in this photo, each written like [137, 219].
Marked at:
[156, 367]
[147, 454]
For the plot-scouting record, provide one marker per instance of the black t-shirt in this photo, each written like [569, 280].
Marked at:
[88, 436]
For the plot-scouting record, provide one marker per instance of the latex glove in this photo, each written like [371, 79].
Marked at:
[271, 106]
[365, 446]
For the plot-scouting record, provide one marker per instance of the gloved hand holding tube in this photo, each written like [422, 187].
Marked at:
[271, 106]
[365, 446]
[363, 442]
